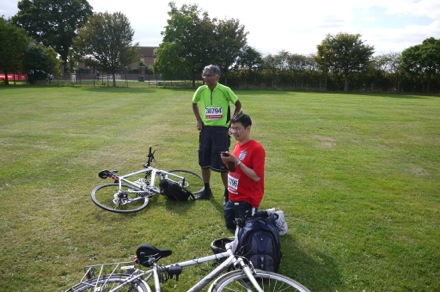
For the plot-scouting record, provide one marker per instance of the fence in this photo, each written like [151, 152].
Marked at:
[121, 80]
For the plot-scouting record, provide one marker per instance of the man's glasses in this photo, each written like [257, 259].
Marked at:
[235, 129]
[207, 75]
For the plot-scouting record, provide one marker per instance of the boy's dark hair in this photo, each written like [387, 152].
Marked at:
[242, 118]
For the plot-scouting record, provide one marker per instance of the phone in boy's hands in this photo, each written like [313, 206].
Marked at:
[231, 165]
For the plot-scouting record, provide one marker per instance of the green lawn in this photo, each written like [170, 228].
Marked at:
[358, 177]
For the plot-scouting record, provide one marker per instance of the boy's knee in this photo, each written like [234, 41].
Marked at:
[230, 224]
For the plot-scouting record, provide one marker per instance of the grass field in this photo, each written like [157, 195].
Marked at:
[358, 177]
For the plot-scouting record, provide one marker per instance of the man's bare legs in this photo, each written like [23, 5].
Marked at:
[206, 175]
[225, 184]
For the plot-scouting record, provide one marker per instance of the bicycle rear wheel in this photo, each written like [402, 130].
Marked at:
[128, 200]
[193, 181]
[238, 281]
[108, 283]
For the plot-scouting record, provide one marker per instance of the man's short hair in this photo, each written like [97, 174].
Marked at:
[213, 69]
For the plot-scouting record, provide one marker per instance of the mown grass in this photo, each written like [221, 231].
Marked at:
[357, 176]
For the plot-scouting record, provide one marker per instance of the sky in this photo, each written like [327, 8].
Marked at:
[287, 25]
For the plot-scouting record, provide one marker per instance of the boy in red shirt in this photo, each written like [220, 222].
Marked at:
[246, 171]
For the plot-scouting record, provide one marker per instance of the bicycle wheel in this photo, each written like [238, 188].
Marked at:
[127, 200]
[193, 181]
[108, 283]
[238, 281]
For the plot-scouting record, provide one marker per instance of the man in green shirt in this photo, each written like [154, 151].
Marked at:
[210, 105]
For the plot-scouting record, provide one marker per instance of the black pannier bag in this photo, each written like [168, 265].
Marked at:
[174, 191]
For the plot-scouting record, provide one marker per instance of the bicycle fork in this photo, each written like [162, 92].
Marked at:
[230, 261]
[249, 273]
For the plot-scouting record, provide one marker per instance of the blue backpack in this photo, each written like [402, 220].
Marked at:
[259, 242]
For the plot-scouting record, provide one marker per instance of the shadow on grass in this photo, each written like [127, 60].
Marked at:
[179, 207]
[314, 269]
[333, 93]
[119, 90]
[394, 95]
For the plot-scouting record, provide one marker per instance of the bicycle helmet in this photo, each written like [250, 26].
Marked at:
[218, 245]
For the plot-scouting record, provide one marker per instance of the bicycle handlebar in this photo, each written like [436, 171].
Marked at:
[150, 156]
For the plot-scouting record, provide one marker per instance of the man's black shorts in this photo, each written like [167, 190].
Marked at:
[212, 141]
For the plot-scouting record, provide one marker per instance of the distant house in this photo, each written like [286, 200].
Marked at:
[147, 54]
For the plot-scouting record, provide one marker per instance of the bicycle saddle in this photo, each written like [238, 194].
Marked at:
[147, 254]
[106, 173]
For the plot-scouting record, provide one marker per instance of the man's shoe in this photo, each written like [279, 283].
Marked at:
[206, 195]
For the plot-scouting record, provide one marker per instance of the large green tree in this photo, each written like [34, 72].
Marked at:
[248, 61]
[230, 38]
[423, 61]
[13, 43]
[385, 71]
[106, 43]
[53, 22]
[192, 40]
[40, 63]
[345, 54]
[187, 43]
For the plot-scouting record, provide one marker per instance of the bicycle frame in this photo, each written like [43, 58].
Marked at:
[144, 276]
[151, 188]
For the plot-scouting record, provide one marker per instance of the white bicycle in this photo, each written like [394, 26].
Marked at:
[131, 192]
[233, 273]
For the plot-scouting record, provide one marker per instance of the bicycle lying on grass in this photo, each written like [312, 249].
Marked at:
[240, 273]
[131, 192]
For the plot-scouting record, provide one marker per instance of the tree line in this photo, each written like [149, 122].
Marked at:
[47, 37]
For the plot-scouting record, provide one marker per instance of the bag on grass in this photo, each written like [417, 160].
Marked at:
[258, 241]
[174, 191]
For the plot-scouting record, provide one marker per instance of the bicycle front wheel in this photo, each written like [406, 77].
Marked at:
[108, 283]
[268, 281]
[193, 181]
[125, 200]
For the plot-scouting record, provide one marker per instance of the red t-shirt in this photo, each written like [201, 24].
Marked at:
[240, 186]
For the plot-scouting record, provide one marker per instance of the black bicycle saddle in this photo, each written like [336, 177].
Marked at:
[147, 254]
[106, 173]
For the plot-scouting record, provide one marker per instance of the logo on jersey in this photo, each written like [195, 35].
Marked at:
[242, 155]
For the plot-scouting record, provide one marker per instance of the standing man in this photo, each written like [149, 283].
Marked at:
[210, 105]
[246, 178]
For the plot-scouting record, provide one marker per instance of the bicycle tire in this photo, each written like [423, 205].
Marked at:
[108, 283]
[104, 197]
[193, 181]
[269, 281]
